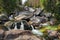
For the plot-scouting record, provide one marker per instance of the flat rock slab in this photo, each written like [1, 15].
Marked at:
[12, 34]
[17, 35]
[27, 37]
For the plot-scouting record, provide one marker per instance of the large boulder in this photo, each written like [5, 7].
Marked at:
[20, 35]
[27, 37]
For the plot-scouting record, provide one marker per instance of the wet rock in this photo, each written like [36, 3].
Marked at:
[20, 35]
[27, 37]
[1, 34]
[11, 35]
[38, 10]
[9, 23]
[26, 8]
[31, 9]
[53, 33]
[5, 18]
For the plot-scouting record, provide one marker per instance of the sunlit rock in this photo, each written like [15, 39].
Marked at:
[35, 19]
[38, 10]
[26, 8]
[28, 37]
[8, 24]
[14, 34]
[19, 17]
[31, 9]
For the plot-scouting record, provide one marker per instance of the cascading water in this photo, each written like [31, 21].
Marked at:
[22, 26]
[37, 32]
[32, 27]
[34, 16]
[23, 1]
[8, 28]
[15, 28]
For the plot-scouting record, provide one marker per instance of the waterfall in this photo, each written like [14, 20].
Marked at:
[22, 26]
[32, 27]
[23, 1]
[34, 16]
[8, 28]
[37, 32]
[15, 26]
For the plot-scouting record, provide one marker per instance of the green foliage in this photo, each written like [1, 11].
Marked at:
[41, 3]
[50, 5]
[57, 12]
[33, 3]
[53, 6]
[1, 6]
[9, 5]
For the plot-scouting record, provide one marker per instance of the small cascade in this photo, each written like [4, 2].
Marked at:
[37, 32]
[15, 28]
[34, 16]
[32, 27]
[23, 1]
[8, 28]
[35, 19]
[22, 26]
